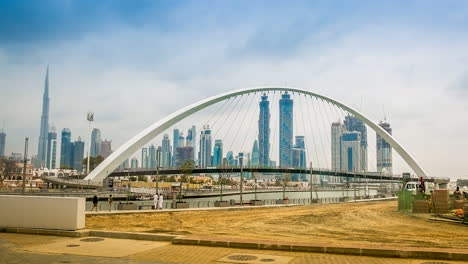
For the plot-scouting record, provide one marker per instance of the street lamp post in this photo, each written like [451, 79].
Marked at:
[25, 163]
[90, 118]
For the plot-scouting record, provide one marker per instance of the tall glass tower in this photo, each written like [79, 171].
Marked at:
[353, 124]
[384, 151]
[66, 149]
[96, 142]
[255, 154]
[51, 149]
[205, 147]
[285, 130]
[44, 132]
[264, 132]
[2, 143]
[218, 153]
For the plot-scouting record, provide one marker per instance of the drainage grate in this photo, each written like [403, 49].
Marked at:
[243, 257]
[73, 245]
[92, 239]
[267, 260]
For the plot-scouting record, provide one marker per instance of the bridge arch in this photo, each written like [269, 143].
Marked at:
[145, 136]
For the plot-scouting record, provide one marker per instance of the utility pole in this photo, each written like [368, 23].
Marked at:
[90, 118]
[25, 163]
[310, 187]
[241, 182]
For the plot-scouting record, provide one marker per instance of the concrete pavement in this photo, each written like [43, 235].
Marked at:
[38, 249]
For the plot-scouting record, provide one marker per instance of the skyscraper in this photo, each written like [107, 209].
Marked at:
[285, 129]
[337, 129]
[66, 149]
[182, 155]
[191, 139]
[354, 124]
[175, 142]
[218, 153]
[78, 154]
[351, 151]
[106, 148]
[95, 142]
[264, 131]
[255, 154]
[166, 156]
[144, 158]
[230, 158]
[2, 143]
[51, 149]
[152, 156]
[384, 151]
[134, 163]
[298, 158]
[42, 144]
[205, 147]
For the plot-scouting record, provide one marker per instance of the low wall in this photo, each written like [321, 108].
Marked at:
[64, 213]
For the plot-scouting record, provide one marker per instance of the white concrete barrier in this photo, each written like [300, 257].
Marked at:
[64, 213]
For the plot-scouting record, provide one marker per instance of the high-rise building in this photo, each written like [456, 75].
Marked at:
[144, 158]
[95, 142]
[182, 155]
[191, 139]
[298, 158]
[204, 156]
[384, 151]
[230, 158]
[125, 164]
[218, 153]
[285, 129]
[51, 149]
[106, 148]
[2, 143]
[175, 142]
[352, 124]
[351, 151]
[78, 154]
[134, 163]
[66, 149]
[166, 156]
[337, 129]
[264, 131]
[255, 154]
[152, 156]
[42, 144]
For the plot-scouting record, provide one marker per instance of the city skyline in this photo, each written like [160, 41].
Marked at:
[418, 59]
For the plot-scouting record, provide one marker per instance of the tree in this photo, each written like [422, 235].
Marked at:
[7, 169]
[186, 168]
[93, 162]
[286, 178]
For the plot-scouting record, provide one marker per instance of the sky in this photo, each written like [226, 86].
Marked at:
[134, 62]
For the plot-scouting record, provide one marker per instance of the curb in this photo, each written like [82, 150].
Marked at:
[46, 232]
[372, 252]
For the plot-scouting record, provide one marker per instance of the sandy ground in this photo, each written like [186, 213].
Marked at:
[376, 223]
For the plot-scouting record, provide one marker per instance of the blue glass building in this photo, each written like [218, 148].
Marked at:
[353, 124]
[264, 131]
[285, 130]
[66, 149]
[218, 153]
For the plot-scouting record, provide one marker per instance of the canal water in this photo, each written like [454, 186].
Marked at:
[295, 197]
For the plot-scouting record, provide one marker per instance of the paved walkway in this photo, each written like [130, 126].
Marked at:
[23, 248]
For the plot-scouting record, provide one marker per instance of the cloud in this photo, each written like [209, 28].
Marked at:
[133, 65]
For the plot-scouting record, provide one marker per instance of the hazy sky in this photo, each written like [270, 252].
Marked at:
[133, 62]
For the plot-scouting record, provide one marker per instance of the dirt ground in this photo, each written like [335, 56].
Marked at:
[376, 223]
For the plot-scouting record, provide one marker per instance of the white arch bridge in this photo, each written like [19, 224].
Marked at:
[137, 142]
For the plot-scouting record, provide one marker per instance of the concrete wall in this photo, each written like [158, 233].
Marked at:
[64, 213]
